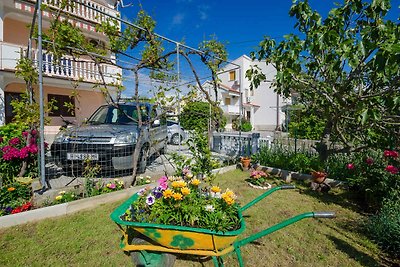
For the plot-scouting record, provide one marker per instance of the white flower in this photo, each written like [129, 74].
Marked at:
[62, 192]
[148, 177]
[210, 208]
[140, 177]
[215, 195]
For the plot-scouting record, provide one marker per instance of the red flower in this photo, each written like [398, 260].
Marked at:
[33, 132]
[25, 134]
[16, 210]
[350, 166]
[24, 152]
[369, 161]
[26, 206]
[394, 154]
[391, 153]
[392, 169]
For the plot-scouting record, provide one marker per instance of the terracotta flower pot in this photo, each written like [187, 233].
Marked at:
[319, 177]
[246, 162]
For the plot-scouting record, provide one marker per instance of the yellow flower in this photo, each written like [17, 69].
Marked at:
[62, 192]
[229, 200]
[185, 191]
[10, 189]
[178, 184]
[230, 193]
[168, 193]
[177, 196]
[58, 197]
[215, 189]
[195, 182]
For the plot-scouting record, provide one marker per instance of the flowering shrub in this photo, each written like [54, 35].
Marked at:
[63, 197]
[14, 198]
[373, 173]
[258, 178]
[15, 148]
[186, 202]
[143, 180]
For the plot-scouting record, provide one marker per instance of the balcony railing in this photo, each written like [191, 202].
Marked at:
[66, 67]
[230, 109]
[86, 9]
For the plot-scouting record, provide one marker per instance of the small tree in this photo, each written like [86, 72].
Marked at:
[196, 116]
[345, 70]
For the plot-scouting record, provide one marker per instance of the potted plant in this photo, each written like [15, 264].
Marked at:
[319, 176]
[245, 162]
[258, 179]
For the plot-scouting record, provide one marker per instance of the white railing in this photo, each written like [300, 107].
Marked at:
[86, 9]
[230, 109]
[66, 67]
[78, 69]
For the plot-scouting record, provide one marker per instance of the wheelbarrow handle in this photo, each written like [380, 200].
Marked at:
[324, 214]
[264, 195]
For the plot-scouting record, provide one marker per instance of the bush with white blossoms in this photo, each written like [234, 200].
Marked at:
[186, 201]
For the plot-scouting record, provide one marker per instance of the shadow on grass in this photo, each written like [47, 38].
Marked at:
[363, 258]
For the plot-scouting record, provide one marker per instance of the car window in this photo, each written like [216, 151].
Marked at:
[170, 123]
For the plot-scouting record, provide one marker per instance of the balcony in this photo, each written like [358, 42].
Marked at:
[83, 9]
[230, 109]
[66, 68]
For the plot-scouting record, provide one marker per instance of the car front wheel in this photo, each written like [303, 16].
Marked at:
[176, 139]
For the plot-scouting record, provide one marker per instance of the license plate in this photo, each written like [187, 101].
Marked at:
[82, 156]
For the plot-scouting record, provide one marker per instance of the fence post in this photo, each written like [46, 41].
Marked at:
[254, 142]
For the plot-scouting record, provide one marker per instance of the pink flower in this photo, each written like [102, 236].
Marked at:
[25, 134]
[24, 152]
[10, 153]
[14, 141]
[369, 161]
[33, 132]
[163, 182]
[33, 148]
[112, 186]
[394, 154]
[350, 166]
[33, 140]
[392, 169]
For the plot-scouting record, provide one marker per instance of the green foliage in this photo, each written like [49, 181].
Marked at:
[345, 70]
[305, 126]
[202, 161]
[143, 180]
[196, 115]
[384, 227]
[245, 126]
[282, 157]
[64, 197]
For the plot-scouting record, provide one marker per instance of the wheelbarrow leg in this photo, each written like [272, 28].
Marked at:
[239, 256]
[218, 261]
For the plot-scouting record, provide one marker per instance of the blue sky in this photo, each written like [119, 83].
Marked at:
[241, 25]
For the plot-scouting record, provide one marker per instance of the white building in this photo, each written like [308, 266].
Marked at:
[261, 106]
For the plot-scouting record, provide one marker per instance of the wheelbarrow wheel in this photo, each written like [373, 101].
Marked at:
[151, 258]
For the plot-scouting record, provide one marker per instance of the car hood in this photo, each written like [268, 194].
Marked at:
[103, 130]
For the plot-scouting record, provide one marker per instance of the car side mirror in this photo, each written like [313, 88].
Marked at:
[156, 123]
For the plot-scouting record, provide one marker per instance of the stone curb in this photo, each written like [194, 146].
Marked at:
[65, 208]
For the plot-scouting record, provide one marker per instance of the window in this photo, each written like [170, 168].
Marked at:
[9, 109]
[232, 75]
[64, 103]
[248, 115]
[227, 101]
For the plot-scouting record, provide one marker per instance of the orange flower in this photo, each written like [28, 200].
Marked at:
[229, 200]
[177, 196]
[10, 189]
[168, 193]
[215, 189]
[178, 184]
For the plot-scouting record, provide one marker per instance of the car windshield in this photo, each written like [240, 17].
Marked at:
[124, 114]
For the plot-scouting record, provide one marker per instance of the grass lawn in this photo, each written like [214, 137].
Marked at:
[90, 238]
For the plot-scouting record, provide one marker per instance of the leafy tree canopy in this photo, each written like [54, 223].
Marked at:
[345, 69]
[196, 115]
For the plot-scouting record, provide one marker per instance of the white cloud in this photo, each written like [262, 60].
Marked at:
[178, 19]
[203, 11]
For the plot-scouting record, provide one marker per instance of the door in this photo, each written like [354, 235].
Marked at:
[8, 108]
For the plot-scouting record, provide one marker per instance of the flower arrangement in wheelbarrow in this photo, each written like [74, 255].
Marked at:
[186, 202]
[259, 179]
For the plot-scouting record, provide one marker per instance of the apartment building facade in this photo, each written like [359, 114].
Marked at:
[261, 106]
[59, 77]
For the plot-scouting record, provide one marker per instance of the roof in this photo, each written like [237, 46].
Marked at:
[228, 88]
[250, 105]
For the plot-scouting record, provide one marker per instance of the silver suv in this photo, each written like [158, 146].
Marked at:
[176, 134]
[109, 138]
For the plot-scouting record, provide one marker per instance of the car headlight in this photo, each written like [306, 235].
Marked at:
[125, 139]
[59, 137]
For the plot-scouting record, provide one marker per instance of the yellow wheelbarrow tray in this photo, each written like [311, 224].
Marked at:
[162, 238]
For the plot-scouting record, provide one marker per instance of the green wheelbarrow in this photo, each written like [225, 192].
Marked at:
[156, 244]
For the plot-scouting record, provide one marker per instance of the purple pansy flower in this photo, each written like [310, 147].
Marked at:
[150, 200]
